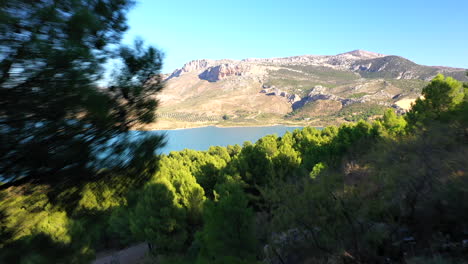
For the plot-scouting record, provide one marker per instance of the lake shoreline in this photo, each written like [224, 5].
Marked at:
[217, 126]
[156, 128]
[202, 138]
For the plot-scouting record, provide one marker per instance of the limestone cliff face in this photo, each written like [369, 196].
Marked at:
[364, 63]
[271, 90]
[196, 65]
[213, 71]
[191, 66]
[363, 54]
[341, 61]
[222, 71]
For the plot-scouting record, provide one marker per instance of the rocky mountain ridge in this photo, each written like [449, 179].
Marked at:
[322, 89]
[358, 61]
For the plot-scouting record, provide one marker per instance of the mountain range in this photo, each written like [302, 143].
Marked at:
[312, 90]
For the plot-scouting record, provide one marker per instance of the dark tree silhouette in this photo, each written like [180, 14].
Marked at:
[55, 120]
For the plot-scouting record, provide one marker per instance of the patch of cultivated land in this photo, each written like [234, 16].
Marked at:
[165, 124]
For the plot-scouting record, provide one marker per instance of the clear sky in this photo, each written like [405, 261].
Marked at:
[427, 32]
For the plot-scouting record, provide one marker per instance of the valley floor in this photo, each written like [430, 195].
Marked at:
[166, 124]
[185, 125]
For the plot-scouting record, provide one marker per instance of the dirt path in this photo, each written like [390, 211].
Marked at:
[131, 255]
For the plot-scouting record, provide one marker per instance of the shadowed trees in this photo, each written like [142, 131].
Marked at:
[228, 232]
[54, 119]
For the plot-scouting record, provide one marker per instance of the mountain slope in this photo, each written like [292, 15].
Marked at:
[309, 89]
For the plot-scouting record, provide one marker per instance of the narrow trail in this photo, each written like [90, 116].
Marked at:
[131, 255]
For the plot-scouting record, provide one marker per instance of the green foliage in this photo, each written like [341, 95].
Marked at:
[404, 182]
[318, 168]
[34, 214]
[439, 97]
[357, 95]
[410, 86]
[233, 150]
[287, 160]
[158, 217]
[360, 111]
[394, 124]
[119, 226]
[325, 74]
[188, 165]
[187, 191]
[54, 117]
[228, 232]
[99, 197]
[35, 231]
[39, 249]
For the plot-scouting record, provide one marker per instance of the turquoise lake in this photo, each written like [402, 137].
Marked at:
[203, 137]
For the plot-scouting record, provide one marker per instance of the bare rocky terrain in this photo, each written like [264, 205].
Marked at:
[306, 90]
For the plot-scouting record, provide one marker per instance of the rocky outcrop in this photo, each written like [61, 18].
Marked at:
[341, 61]
[219, 72]
[398, 109]
[195, 65]
[320, 93]
[318, 89]
[363, 54]
[271, 90]
[293, 98]
[212, 71]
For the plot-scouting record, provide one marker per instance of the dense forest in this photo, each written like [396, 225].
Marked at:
[391, 191]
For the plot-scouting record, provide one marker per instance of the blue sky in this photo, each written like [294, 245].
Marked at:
[427, 32]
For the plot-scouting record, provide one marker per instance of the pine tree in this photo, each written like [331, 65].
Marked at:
[228, 235]
[439, 97]
[54, 118]
[159, 218]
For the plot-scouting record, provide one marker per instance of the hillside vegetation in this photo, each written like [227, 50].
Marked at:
[391, 191]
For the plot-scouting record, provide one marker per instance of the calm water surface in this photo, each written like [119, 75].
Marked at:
[203, 137]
